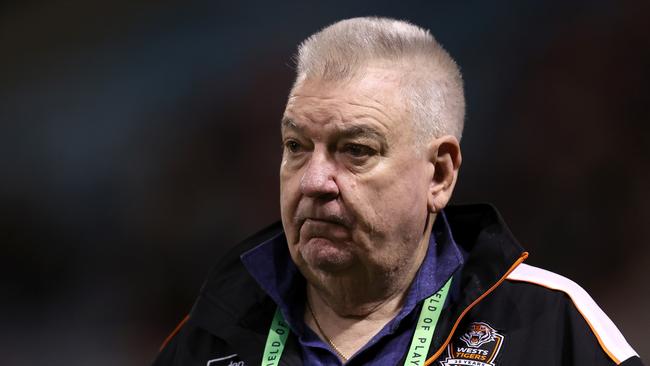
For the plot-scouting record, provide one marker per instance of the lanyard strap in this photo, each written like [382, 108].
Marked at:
[275, 341]
[431, 309]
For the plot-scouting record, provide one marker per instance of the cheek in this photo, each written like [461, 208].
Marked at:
[289, 199]
[395, 205]
[289, 186]
[403, 206]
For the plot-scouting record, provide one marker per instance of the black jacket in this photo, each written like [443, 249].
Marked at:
[499, 312]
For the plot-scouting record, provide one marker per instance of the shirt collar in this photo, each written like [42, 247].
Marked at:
[272, 267]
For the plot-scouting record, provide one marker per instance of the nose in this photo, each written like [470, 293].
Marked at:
[319, 177]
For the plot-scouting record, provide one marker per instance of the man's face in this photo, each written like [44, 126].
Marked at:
[353, 186]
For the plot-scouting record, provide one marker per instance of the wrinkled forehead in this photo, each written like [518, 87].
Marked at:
[373, 79]
[376, 93]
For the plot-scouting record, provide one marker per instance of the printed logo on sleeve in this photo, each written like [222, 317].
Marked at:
[478, 346]
[230, 360]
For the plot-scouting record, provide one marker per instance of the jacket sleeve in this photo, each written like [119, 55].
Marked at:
[168, 350]
[632, 361]
[189, 345]
[588, 345]
[585, 335]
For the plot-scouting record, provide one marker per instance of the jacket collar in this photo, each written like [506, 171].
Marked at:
[492, 252]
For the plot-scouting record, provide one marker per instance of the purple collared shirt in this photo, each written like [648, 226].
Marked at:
[271, 266]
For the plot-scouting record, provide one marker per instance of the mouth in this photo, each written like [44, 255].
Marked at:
[323, 219]
[332, 229]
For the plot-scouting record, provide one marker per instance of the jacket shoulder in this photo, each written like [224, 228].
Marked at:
[606, 333]
[230, 291]
[217, 325]
[230, 263]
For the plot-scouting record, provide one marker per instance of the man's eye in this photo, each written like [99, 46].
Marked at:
[359, 151]
[292, 145]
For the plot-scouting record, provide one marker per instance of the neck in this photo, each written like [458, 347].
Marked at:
[353, 298]
[346, 334]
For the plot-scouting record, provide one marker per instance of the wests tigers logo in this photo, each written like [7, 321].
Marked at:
[478, 334]
[478, 346]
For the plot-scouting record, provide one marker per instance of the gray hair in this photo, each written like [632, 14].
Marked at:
[432, 81]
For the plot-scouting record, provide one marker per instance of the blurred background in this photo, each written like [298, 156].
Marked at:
[139, 140]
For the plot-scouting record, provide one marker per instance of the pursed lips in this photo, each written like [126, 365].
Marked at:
[330, 219]
[328, 228]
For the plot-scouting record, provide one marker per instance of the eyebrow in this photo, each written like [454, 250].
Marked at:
[288, 123]
[354, 131]
[366, 131]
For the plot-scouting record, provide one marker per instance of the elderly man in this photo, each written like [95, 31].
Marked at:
[369, 266]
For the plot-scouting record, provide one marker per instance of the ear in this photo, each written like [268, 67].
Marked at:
[444, 154]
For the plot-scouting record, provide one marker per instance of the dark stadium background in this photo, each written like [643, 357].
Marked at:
[139, 140]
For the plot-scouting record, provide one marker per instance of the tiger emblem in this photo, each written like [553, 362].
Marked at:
[479, 345]
[478, 334]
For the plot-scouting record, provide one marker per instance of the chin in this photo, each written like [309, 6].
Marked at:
[323, 255]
